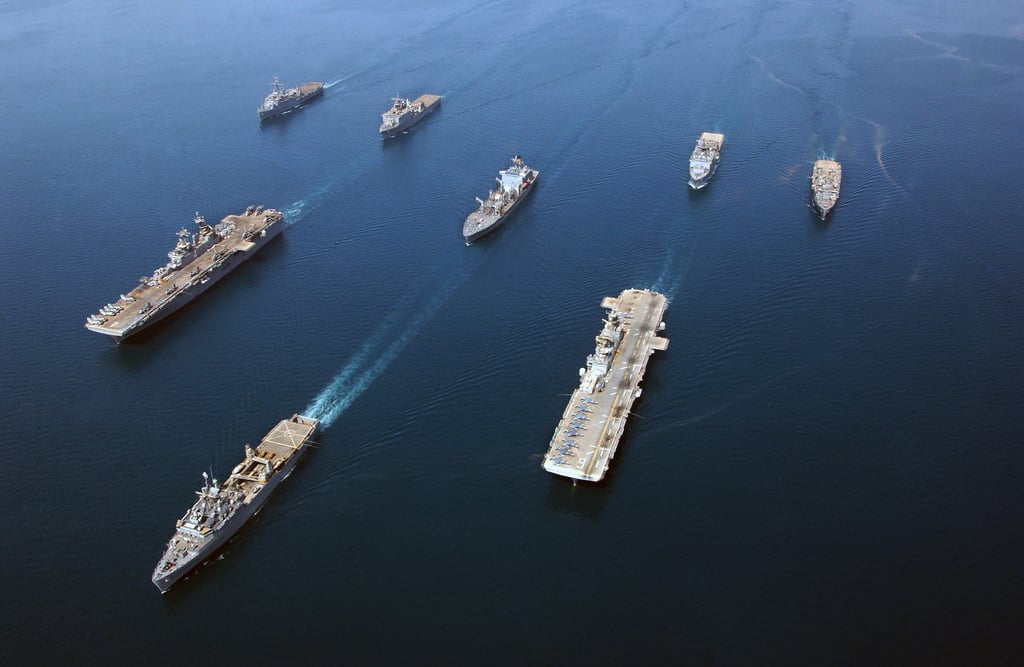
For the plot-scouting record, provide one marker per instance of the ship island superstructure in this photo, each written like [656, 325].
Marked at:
[403, 114]
[588, 433]
[825, 185]
[511, 188]
[221, 510]
[198, 260]
[704, 158]
[280, 101]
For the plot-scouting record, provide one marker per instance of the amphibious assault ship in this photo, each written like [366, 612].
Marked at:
[281, 101]
[513, 184]
[197, 262]
[588, 433]
[222, 509]
[825, 185]
[704, 158]
[403, 114]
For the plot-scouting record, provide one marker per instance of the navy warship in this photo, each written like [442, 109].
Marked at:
[511, 188]
[197, 262]
[588, 433]
[222, 509]
[403, 114]
[281, 101]
[825, 186]
[704, 158]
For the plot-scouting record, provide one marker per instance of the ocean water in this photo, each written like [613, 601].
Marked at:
[825, 468]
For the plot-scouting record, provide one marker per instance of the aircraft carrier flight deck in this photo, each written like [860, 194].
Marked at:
[588, 433]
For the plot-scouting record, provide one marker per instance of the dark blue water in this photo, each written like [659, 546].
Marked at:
[826, 466]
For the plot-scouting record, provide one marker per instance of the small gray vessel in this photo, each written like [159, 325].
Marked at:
[403, 114]
[281, 101]
[513, 184]
[222, 509]
[704, 158]
[825, 186]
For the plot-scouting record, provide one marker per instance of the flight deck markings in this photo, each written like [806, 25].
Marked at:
[603, 431]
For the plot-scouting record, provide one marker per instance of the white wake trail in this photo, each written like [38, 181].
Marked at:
[377, 353]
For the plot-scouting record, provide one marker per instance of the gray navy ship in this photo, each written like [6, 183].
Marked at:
[222, 509]
[513, 184]
[198, 261]
[588, 433]
[704, 158]
[403, 114]
[281, 101]
[825, 186]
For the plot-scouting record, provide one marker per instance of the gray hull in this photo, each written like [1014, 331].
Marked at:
[406, 121]
[185, 296]
[698, 183]
[492, 222]
[230, 528]
[288, 105]
[825, 183]
[823, 208]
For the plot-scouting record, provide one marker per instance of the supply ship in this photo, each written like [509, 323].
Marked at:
[281, 101]
[197, 262]
[403, 114]
[222, 509]
[588, 433]
[825, 185]
[513, 184]
[704, 158]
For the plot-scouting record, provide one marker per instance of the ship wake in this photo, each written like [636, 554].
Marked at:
[342, 79]
[384, 346]
[671, 279]
[298, 210]
[771, 76]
